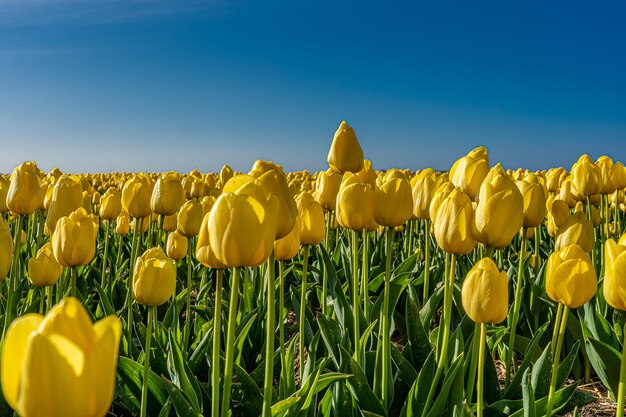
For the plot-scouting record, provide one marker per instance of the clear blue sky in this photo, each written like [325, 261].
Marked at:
[155, 85]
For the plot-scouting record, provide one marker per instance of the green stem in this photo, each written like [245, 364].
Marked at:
[537, 246]
[189, 287]
[73, 272]
[301, 317]
[160, 231]
[447, 312]
[49, 296]
[41, 297]
[621, 390]
[481, 370]
[14, 273]
[555, 331]
[325, 276]
[474, 364]
[555, 363]
[516, 310]
[146, 365]
[365, 273]
[269, 338]
[426, 260]
[386, 337]
[129, 293]
[105, 254]
[356, 303]
[230, 341]
[281, 318]
[215, 358]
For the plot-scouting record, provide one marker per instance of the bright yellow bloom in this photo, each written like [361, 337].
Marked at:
[287, 247]
[176, 247]
[136, 196]
[468, 172]
[534, 196]
[586, 176]
[355, 203]
[122, 223]
[570, 277]
[24, 194]
[485, 293]
[61, 365]
[6, 249]
[394, 202]
[74, 238]
[345, 152]
[167, 195]
[312, 224]
[500, 210]
[67, 196]
[275, 184]
[327, 188]
[614, 286]
[154, 278]
[576, 230]
[204, 254]
[111, 204]
[190, 218]
[43, 269]
[454, 223]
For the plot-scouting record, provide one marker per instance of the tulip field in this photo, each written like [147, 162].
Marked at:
[477, 291]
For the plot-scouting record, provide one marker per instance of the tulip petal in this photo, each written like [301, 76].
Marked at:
[69, 319]
[14, 354]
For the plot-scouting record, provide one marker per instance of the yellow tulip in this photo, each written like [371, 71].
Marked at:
[570, 277]
[143, 222]
[176, 247]
[423, 190]
[136, 196]
[287, 247]
[553, 179]
[154, 278]
[618, 175]
[586, 176]
[204, 253]
[500, 210]
[355, 203]
[167, 195]
[453, 226]
[275, 184]
[61, 365]
[233, 220]
[566, 194]
[226, 173]
[534, 199]
[74, 238]
[438, 197]
[122, 223]
[614, 287]
[189, 218]
[6, 249]
[605, 165]
[367, 174]
[485, 293]
[111, 204]
[327, 188]
[394, 202]
[312, 224]
[468, 172]
[576, 230]
[67, 196]
[24, 194]
[558, 213]
[4, 190]
[345, 152]
[43, 269]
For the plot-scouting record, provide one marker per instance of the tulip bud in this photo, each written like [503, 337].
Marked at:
[111, 204]
[355, 203]
[534, 199]
[605, 166]
[275, 184]
[327, 187]
[168, 194]
[576, 230]
[136, 196]
[154, 278]
[226, 174]
[345, 152]
[6, 249]
[4, 190]
[312, 224]
[367, 174]
[423, 190]
[485, 293]
[236, 217]
[74, 238]
[122, 223]
[618, 175]
[454, 222]
[442, 192]
[24, 191]
[190, 218]
[67, 196]
[394, 203]
[570, 277]
[586, 176]
[287, 247]
[468, 172]
[500, 210]
[60, 365]
[176, 247]
[43, 269]
[614, 287]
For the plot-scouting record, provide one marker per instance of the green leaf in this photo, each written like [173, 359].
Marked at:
[442, 398]
[528, 395]
[130, 377]
[280, 407]
[540, 378]
[181, 404]
[185, 381]
[358, 385]
[606, 361]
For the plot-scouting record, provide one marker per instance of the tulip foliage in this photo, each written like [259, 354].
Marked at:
[344, 292]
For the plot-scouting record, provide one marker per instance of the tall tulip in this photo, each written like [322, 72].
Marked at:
[345, 152]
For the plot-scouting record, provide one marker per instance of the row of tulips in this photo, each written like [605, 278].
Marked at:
[346, 292]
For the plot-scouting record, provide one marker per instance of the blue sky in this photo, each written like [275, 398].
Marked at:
[105, 85]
